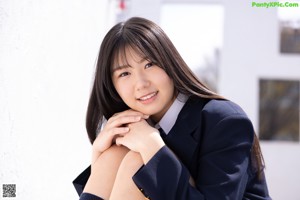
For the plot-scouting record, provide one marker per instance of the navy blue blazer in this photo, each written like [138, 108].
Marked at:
[213, 141]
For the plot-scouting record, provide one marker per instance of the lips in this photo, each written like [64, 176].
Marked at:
[148, 96]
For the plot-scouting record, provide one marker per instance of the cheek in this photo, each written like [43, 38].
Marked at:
[124, 91]
[168, 87]
[162, 76]
[166, 82]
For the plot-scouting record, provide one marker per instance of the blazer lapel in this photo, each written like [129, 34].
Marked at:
[184, 136]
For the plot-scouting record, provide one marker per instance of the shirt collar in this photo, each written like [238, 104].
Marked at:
[170, 117]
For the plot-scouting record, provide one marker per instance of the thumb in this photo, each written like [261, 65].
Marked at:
[119, 141]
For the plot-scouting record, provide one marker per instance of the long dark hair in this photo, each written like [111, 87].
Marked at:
[149, 40]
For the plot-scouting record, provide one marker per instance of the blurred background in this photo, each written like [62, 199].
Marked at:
[48, 50]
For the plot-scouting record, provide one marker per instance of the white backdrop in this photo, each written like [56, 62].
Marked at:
[47, 55]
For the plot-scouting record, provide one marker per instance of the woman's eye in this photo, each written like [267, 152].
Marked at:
[124, 74]
[149, 65]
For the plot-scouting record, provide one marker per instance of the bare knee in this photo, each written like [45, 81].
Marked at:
[113, 155]
[124, 187]
[114, 151]
[104, 171]
[131, 163]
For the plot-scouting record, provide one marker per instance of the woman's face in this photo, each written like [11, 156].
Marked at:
[142, 85]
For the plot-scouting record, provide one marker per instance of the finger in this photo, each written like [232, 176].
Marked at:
[117, 136]
[129, 112]
[119, 141]
[120, 131]
[121, 121]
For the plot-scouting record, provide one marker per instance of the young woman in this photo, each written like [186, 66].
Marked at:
[167, 136]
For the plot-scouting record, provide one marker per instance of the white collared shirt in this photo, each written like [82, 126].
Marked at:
[170, 117]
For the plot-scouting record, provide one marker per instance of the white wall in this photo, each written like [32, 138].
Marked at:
[47, 55]
[251, 52]
[149, 9]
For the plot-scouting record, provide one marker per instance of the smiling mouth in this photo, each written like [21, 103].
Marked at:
[148, 96]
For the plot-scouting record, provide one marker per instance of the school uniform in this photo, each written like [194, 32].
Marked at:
[213, 141]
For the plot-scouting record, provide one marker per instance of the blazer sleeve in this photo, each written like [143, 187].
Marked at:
[222, 164]
[81, 180]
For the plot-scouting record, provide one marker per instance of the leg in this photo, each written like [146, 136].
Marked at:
[104, 172]
[124, 187]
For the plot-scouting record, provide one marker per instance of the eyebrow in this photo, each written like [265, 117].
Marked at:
[120, 68]
[116, 68]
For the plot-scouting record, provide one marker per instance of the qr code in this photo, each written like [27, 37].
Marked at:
[9, 190]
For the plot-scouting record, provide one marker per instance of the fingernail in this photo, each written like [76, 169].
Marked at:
[146, 116]
[138, 118]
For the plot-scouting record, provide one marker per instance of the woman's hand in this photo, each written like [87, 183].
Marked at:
[141, 138]
[116, 126]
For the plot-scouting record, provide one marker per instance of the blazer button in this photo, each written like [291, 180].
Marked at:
[143, 192]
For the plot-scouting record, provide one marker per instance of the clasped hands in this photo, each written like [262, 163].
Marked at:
[130, 129]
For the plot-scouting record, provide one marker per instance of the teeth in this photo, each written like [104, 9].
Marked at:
[148, 97]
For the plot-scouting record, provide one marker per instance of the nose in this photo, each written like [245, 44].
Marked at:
[142, 82]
